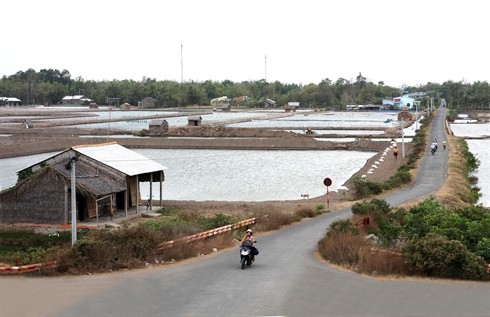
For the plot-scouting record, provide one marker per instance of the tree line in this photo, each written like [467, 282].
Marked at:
[49, 86]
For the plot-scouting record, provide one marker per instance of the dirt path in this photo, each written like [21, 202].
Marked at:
[18, 142]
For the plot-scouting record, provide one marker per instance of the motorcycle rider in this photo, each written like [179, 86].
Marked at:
[249, 239]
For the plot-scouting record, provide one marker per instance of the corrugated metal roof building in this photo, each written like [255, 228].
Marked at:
[107, 178]
[10, 101]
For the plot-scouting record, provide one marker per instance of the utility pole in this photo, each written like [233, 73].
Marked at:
[181, 76]
[403, 141]
[265, 68]
[71, 165]
[181, 63]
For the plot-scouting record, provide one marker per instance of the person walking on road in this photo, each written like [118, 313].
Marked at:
[395, 152]
[444, 143]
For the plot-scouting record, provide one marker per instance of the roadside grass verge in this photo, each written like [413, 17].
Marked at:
[134, 246]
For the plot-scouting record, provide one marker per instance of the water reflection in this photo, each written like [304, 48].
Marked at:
[243, 175]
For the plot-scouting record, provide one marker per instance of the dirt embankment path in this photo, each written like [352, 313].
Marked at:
[41, 140]
[21, 142]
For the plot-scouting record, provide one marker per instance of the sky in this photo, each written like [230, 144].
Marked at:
[398, 42]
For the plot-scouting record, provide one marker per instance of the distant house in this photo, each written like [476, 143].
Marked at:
[387, 102]
[266, 103]
[403, 101]
[158, 127]
[291, 106]
[194, 121]
[362, 107]
[240, 100]
[222, 102]
[75, 100]
[10, 102]
[148, 102]
[106, 175]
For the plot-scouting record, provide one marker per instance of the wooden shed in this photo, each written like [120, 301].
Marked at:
[107, 178]
[158, 127]
[149, 102]
[194, 121]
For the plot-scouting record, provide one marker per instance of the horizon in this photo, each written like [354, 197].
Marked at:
[402, 43]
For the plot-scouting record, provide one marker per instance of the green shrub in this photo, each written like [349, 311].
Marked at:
[216, 221]
[364, 188]
[483, 249]
[33, 255]
[342, 226]
[374, 206]
[436, 255]
[320, 207]
[400, 178]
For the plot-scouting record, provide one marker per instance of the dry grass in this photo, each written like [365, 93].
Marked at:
[451, 193]
[273, 219]
[382, 262]
[343, 248]
[189, 250]
[351, 251]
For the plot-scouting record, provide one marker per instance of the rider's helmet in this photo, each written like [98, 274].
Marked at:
[249, 231]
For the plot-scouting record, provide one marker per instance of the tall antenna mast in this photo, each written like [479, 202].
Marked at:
[181, 64]
[265, 68]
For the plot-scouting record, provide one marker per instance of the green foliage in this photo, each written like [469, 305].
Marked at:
[342, 226]
[375, 206]
[387, 228]
[33, 255]
[319, 207]
[483, 249]
[435, 240]
[217, 220]
[418, 144]
[471, 162]
[468, 225]
[400, 178]
[364, 188]
[112, 250]
[22, 246]
[436, 255]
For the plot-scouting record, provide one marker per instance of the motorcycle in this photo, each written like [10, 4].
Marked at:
[246, 256]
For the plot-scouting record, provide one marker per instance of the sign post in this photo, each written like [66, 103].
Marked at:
[327, 182]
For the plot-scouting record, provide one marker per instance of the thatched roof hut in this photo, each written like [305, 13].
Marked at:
[43, 190]
[158, 127]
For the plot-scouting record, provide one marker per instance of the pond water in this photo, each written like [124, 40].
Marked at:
[479, 148]
[233, 175]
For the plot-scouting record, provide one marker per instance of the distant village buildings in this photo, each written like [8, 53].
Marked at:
[399, 102]
[10, 102]
[291, 106]
[158, 127]
[148, 102]
[76, 100]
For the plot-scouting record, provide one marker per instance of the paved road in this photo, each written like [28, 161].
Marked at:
[286, 280]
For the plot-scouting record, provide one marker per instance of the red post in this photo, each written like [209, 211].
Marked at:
[328, 199]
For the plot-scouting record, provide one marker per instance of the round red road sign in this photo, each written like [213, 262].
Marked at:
[327, 181]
